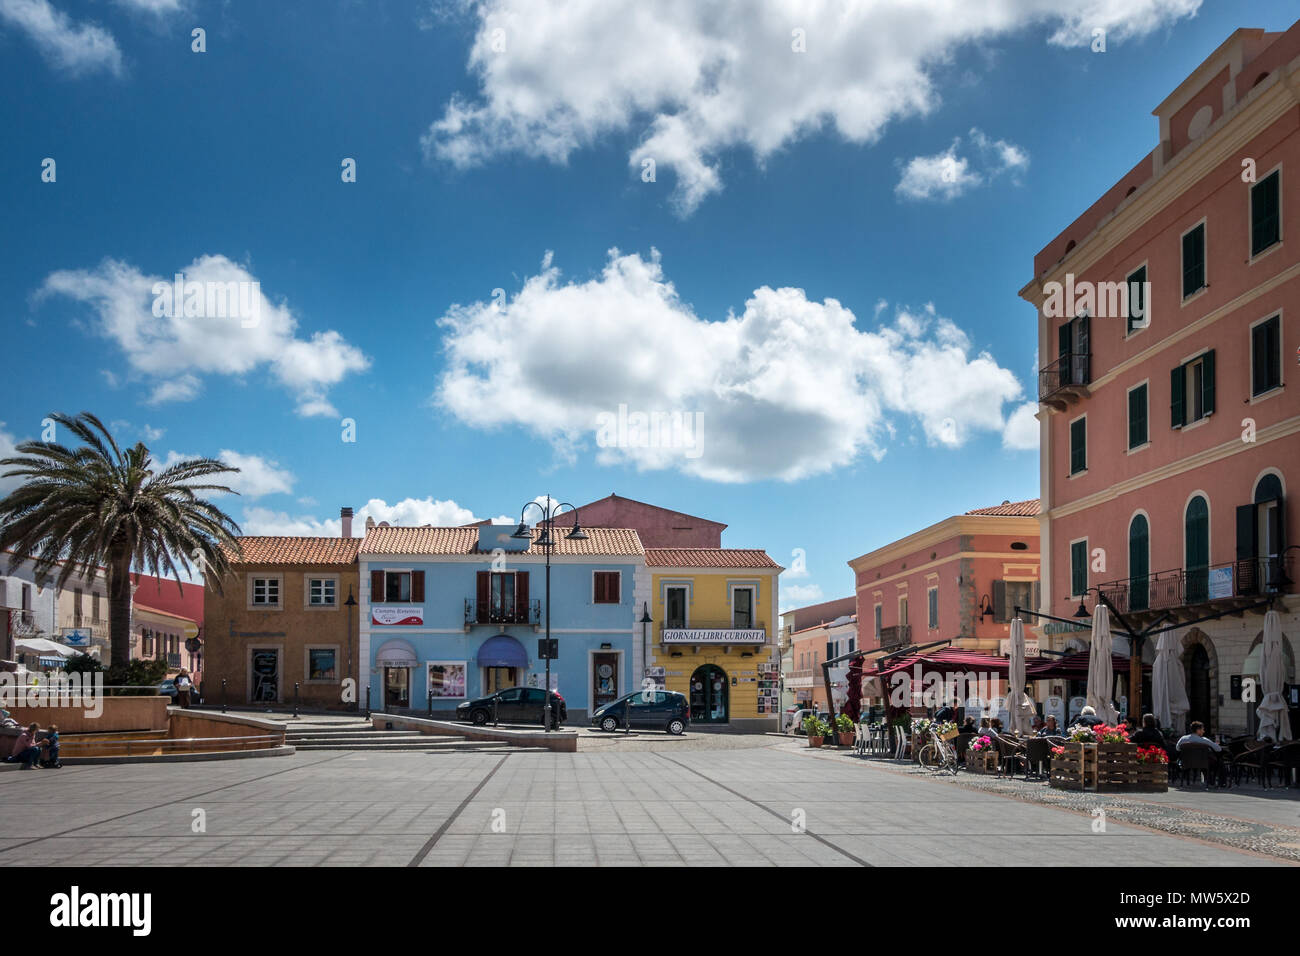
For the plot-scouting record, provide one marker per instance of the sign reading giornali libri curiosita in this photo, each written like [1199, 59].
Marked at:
[721, 636]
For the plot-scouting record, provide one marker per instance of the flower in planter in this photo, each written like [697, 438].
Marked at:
[1111, 735]
[1058, 751]
[981, 744]
[1152, 754]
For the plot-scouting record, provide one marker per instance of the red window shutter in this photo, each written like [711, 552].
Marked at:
[482, 597]
[417, 586]
[376, 587]
[521, 596]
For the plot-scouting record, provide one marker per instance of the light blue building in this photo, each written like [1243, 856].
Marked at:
[454, 613]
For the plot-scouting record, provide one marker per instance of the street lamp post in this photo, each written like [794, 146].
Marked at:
[546, 541]
[350, 603]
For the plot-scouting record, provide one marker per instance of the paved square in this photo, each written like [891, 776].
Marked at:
[695, 807]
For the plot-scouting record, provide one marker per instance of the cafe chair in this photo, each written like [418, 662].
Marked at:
[1195, 758]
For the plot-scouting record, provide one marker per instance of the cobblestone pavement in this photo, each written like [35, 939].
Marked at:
[767, 805]
[1249, 818]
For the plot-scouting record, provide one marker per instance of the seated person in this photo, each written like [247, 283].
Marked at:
[51, 743]
[25, 749]
[985, 729]
[1050, 729]
[1197, 738]
[947, 712]
[968, 726]
[1088, 718]
[996, 726]
[1149, 735]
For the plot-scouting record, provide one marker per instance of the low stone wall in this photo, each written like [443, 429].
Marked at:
[190, 723]
[119, 714]
[565, 741]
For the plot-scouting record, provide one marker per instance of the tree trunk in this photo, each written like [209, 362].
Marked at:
[119, 608]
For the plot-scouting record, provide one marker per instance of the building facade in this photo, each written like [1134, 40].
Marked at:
[806, 635]
[1169, 435]
[957, 581]
[657, 527]
[456, 613]
[279, 629]
[712, 636]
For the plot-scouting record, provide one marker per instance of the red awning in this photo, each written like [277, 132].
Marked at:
[1073, 667]
[947, 661]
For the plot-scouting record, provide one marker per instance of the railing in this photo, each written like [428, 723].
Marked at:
[896, 636]
[1182, 587]
[477, 613]
[1071, 369]
[22, 623]
[173, 660]
[800, 678]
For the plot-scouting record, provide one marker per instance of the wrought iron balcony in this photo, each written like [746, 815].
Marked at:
[23, 624]
[896, 636]
[480, 614]
[1065, 381]
[1189, 592]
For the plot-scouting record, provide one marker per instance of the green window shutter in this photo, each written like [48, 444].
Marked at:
[1194, 260]
[1259, 359]
[1264, 214]
[1247, 532]
[1207, 382]
[1138, 563]
[1137, 417]
[934, 607]
[1137, 305]
[1078, 567]
[1078, 446]
[1178, 397]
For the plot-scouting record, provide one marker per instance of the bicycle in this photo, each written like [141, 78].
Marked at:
[938, 753]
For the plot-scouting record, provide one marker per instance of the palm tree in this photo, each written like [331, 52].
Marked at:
[100, 505]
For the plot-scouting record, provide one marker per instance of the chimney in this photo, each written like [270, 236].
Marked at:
[346, 515]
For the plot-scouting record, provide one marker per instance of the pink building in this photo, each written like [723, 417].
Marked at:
[957, 581]
[1168, 440]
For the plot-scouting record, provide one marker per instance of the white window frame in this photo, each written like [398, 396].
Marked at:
[752, 588]
[596, 571]
[278, 578]
[666, 586]
[307, 580]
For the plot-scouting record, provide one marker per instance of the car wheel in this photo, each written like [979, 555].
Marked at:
[479, 717]
[676, 727]
[609, 725]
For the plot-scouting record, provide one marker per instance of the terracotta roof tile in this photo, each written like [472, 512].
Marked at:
[394, 540]
[1012, 509]
[708, 558]
[283, 549]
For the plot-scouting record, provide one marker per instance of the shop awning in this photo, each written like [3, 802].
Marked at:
[502, 651]
[396, 653]
[947, 661]
[1074, 667]
[50, 661]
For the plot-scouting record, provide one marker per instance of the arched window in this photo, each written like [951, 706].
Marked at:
[1139, 563]
[1196, 550]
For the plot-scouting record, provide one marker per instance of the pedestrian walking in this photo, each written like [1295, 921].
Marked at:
[183, 687]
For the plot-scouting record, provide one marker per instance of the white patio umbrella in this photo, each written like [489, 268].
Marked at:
[1100, 672]
[1019, 707]
[1274, 721]
[1168, 683]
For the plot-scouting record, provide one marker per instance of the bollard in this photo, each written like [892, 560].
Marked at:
[430, 701]
[495, 701]
[223, 695]
[295, 698]
[367, 702]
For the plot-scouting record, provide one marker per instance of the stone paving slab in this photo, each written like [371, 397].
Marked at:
[731, 806]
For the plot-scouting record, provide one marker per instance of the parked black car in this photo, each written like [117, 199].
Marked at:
[514, 705]
[652, 710]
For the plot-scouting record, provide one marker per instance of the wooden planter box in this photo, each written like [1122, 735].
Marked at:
[1107, 768]
[982, 761]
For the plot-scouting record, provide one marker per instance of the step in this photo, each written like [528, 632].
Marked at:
[396, 745]
[347, 734]
[378, 740]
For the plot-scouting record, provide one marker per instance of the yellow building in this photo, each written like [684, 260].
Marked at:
[714, 633]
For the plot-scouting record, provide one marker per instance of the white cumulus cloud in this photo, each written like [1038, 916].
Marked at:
[1021, 430]
[172, 351]
[75, 47]
[257, 476]
[693, 78]
[409, 512]
[947, 175]
[786, 388]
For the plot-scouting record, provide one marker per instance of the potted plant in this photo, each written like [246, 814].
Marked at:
[816, 729]
[844, 730]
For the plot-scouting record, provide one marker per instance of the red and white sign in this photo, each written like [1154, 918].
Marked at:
[403, 615]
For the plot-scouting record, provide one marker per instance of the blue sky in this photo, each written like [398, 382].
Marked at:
[824, 268]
